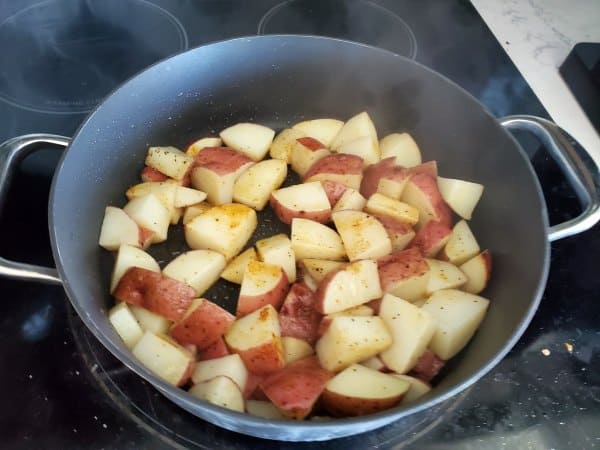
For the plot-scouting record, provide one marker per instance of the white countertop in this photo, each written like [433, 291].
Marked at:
[538, 35]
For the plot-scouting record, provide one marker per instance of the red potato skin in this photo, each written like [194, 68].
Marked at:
[386, 168]
[338, 163]
[334, 191]
[151, 174]
[298, 317]
[286, 215]
[427, 366]
[393, 226]
[311, 143]
[430, 239]
[249, 303]
[399, 266]
[295, 389]
[145, 236]
[428, 185]
[186, 181]
[206, 324]
[344, 406]
[217, 349]
[375, 305]
[151, 290]
[221, 160]
[252, 389]
[427, 168]
[323, 325]
[264, 359]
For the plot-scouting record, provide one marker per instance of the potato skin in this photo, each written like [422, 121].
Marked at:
[430, 239]
[428, 185]
[334, 191]
[345, 406]
[298, 317]
[205, 325]
[296, 388]
[154, 291]
[386, 168]
[221, 160]
[340, 163]
[428, 168]
[263, 359]
[286, 215]
[427, 367]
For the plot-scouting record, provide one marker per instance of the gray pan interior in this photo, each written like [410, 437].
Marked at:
[276, 81]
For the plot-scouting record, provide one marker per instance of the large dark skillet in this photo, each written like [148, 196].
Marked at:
[276, 81]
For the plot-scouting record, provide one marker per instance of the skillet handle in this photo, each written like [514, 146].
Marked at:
[581, 175]
[11, 153]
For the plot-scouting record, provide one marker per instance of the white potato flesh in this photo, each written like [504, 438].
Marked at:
[363, 382]
[264, 409]
[350, 199]
[278, 250]
[128, 257]
[170, 161]
[478, 270]
[118, 229]
[317, 269]
[443, 275]
[230, 366]
[362, 234]
[234, 272]
[462, 244]
[196, 147]
[148, 212]
[462, 196]
[224, 228]
[364, 147]
[312, 239]
[125, 324]
[255, 184]
[417, 389]
[257, 328]
[185, 196]
[163, 357]
[165, 192]
[386, 206]
[194, 211]
[401, 146]
[281, 147]
[218, 186]
[458, 314]
[412, 329]
[351, 339]
[374, 362]
[323, 130]
[150, 321]
[356, 127]
[196, 268]
[352, 285]
[295, 349]
[251, 139]
[306, 197]
[220, 391]
[302, 158]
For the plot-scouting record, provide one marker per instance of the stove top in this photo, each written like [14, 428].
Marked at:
[62, 389]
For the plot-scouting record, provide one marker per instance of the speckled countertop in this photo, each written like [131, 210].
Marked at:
[538, 35]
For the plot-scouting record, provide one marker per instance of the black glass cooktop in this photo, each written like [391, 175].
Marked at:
[61, 389]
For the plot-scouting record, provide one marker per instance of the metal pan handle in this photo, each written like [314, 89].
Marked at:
[581, 175]
[11, 153]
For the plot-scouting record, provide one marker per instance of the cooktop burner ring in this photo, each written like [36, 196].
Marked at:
[80, 51]
[306, 17]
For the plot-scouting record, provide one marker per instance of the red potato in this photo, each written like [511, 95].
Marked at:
[362, 234]
[257, 339]
[165, 192]
[215, 172]
[264, 409]
[150, 321]
[295, 349]
[462, 196]
[251, 139]
[311, 239]
[324, 130]
[302, 201]
[417, 389]
[375, 363]
[119, 229]
[400, 233]
[165, 358]
[160, 294]
[254, 186]
[386, 206]
[421, 191]
[305, 152]
[350, 199]
[252, 389]
[170, 161]
[206, 142]
[364, 146]
[374, 305]
[402, 147]
[217, 349]
[230, 366]
[224, 228]
[318, 269]
[431, 238]
[203, 324]
[334, 191]
[278, 250]
[443, 275]
[196, 268]
[221, 391]
[427, 366]
[296, 388]
[357, 126]
[338, 167]
[185, 196]
[384, 177]
[478, 271]
[298, 317]
[193, 211]
[150, 174]
[262, 284]
[427, 168]
[149, 213]
[125, 324]
[350, 285]
[404, 274]
[359, 390]
[462, 244]
[281, 147]
[234, 271]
